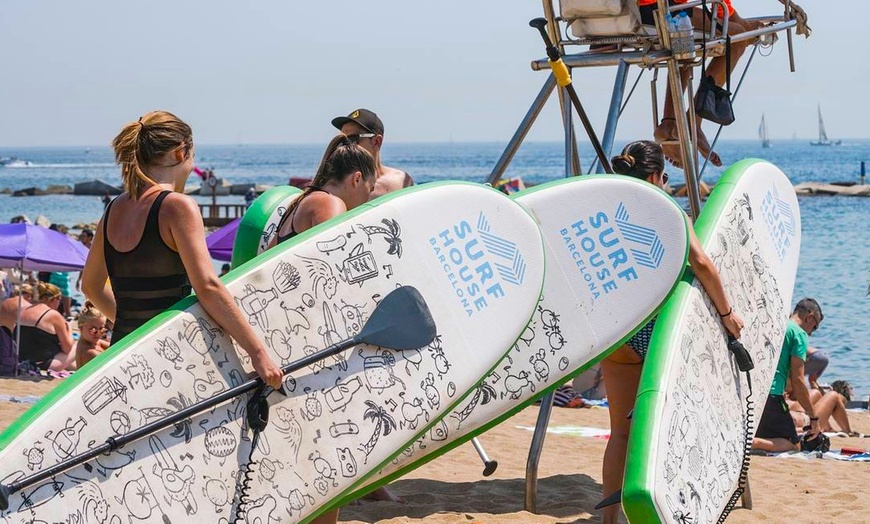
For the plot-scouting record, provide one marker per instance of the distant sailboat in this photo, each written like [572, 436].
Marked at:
[823, 137]
[762, 133]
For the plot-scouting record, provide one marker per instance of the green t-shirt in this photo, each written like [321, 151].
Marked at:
[794, 345]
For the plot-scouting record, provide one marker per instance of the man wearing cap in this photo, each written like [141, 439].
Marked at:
[366, 129]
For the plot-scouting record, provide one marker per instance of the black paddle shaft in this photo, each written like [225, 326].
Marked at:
[556, 58]
[402, 313]
[117, 441]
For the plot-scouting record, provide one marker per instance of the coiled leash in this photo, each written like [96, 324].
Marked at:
[257, 417]
[744, 364]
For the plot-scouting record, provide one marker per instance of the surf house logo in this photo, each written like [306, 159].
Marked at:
[606, 249]
[780, 220]
[478, 263]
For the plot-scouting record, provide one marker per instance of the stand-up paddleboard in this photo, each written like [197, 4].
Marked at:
[259, 224]
[616, 247]
[476, 257]
[689, 431]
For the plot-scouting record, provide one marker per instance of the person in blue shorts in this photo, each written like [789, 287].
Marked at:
[776, 430]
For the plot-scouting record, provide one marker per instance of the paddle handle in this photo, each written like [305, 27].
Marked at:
[563, 78]
[117, 441]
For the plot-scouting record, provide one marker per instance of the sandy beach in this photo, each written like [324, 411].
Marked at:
[452, 490]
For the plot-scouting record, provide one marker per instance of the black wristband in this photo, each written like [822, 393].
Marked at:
[726, 314]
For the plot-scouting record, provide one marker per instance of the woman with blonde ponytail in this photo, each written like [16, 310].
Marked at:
[149, 247]
[344, 180]
[645, 161]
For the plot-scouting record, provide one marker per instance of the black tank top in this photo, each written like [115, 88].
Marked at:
[289, 216]
[145, 280]
[38, 346]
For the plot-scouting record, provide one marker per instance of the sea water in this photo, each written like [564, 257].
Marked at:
[835, 247]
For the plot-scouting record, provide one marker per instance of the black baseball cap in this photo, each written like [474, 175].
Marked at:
[364, 118]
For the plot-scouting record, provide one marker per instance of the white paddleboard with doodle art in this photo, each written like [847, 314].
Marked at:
[475, 256]
[686, 449]
[616, 248]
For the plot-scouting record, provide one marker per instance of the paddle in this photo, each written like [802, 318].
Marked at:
[563, 78]
[400, 321]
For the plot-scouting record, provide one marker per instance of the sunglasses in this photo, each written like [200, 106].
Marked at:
[356, 138]
[95, 329]
[816, 322]
[664, 178]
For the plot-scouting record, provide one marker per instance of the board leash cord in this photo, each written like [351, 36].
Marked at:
[745, 364]
[257, 417]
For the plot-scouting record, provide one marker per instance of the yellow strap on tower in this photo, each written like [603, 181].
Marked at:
[560, 71]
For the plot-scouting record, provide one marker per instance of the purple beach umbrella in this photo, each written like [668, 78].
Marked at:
[36, 248]
[220, 243]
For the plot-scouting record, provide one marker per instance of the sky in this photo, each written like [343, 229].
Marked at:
[277, 71]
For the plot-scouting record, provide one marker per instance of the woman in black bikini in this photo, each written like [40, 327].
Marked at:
[150, 243]
[644, 160]
[345, 179]
[46, 340]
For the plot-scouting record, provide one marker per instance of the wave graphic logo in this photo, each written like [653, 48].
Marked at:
[780, 220]
[648, 250]
[512, 265]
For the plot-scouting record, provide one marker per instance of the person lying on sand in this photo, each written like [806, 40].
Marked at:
[826, 405]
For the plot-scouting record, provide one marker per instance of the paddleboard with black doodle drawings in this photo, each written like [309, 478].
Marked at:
[687, 438]
[259, 224]
[616, 247]
[341, 419]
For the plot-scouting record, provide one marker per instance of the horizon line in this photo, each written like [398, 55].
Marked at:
[412, 142]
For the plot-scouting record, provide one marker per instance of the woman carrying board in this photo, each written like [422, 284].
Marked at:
[644, 160]
[150, 246]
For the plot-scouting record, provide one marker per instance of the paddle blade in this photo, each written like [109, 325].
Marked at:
[401, 321]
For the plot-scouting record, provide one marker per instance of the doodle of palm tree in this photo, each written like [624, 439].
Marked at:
[391, 234]
[482, 395]
[384, 424]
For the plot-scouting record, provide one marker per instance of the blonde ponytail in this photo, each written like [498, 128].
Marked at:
[46, 291]
[141, 143]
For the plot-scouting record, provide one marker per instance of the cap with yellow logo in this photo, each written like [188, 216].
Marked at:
[364, 118]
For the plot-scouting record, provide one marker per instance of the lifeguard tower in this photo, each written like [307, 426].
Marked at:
[610, 33]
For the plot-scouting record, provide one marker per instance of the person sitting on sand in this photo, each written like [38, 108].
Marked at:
[149, 247]
[363, 127]
[666, 132]
[776, 430]
[826, 405]
[92, 327]
[46, 340]
[622, 368]
[8, 316]
[345, 179]
[9, 307]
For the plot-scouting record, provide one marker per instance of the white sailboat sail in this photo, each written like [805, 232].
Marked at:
[762, 133]
[823, 136]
